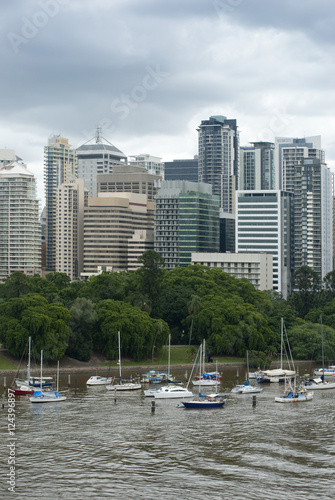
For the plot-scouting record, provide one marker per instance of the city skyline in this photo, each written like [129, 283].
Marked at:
[149, 74]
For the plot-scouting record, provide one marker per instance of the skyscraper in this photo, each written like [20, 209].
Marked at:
[303, 172]
[97, 156]
[182, 170]
[71, 200]
[186, 221]
[218, 158]
[257, 169]
[119, 222]
[20, 235]
[59, 167]
[263, 224]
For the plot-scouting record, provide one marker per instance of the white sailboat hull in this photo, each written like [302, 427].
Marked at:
[124, 387]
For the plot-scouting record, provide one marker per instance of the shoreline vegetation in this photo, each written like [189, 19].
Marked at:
[181, 357]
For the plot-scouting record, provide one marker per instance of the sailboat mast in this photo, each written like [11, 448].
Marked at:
[200, 356]
[322, 351]
[169, 354]
[203, 358]
[57, 375]
[29, 355]
[281, 343]
[118, 334]
[248, 366]
[41, 368]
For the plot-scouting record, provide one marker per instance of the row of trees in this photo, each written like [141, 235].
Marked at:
[191, 303]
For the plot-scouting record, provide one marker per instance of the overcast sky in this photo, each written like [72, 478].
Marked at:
[148, 72]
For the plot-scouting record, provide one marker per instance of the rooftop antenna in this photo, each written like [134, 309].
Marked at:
[98, 136]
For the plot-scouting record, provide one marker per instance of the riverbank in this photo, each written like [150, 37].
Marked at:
[99, 365]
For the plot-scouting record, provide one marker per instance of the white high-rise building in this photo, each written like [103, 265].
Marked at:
[20, 235]
[263, 224]
[302, 171]
[59, 167]
[97, 156]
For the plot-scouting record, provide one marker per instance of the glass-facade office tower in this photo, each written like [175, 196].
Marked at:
[263, 224]
[186, 221]
[257, 169]
[97, 156]
[183, 170]
[59, 167]
[20, 235]
[303, 172]
[218, 158]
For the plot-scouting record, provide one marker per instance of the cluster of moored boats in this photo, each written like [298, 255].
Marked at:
[40, 389]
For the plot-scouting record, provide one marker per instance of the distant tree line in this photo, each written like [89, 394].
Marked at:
[192, 303]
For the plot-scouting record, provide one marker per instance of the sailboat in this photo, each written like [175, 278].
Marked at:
[210, 401]
[122, 386]
[205, 379]
[47, 396]
[247, 388]
[294, 394]
[320, 382]
[169, 377]
[25, 386]
[280, 374]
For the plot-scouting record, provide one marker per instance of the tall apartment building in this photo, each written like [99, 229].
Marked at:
[218, 158]
[257, 167]
[20, 234]
[59, 167]
[97, 156]
[303, 172]
[71, 200]
[186, 221]
[153, 164]
[182, 170]
[263, 224]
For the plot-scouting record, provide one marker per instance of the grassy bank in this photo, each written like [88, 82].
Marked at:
[5, 364]
[179, 355]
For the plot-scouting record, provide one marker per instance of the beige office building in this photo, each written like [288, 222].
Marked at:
[118, 228]
[255, 267]
[71, 200]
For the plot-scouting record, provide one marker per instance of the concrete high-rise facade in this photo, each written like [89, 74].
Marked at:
[263, 224]
[186, 221]
[119, 222]
[129, 179]
[71, 201]
[20, 235]
[257, 168]
[218, 157]
[97, 156]
[303, 172]
[118, 228]
[59, 167]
